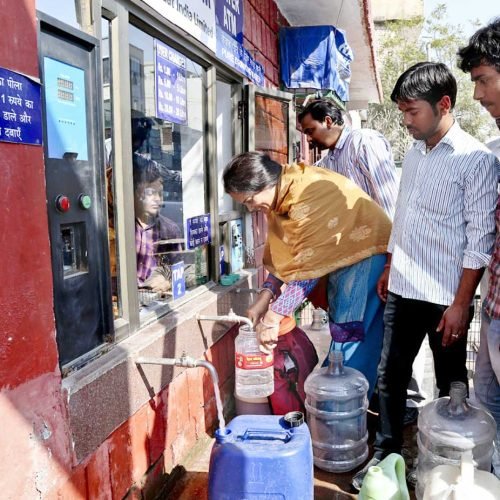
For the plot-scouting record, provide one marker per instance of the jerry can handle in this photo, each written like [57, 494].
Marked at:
[265, 435]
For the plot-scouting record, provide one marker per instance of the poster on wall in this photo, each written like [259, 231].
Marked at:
[195, 17]
[20, 111]
[198, 231]
[229, 25]
[64, 89]
[170, 84]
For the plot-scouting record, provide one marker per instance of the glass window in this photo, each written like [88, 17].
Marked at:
[271, 127]
[110, 181]
[224, 140]
[168, 171]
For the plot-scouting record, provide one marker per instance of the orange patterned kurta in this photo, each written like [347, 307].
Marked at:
[321, 222]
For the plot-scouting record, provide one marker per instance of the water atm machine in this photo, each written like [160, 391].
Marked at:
[74, 167]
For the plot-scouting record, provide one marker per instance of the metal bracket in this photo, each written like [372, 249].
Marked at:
[242, 110]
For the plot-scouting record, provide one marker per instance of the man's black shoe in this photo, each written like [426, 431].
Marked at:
[411, 416]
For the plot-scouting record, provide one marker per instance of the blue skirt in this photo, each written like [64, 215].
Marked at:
[356, 316]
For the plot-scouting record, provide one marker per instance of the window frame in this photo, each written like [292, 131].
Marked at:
[120, 15]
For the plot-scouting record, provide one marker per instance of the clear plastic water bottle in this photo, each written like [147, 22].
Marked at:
[254, 369]
[336, 404]
[449, 427]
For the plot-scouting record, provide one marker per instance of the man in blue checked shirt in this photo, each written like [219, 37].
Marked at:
[481, 58]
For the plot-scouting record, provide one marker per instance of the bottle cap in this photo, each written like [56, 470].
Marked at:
[294, 418]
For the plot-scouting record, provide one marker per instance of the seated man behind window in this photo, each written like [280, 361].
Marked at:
[157, 238]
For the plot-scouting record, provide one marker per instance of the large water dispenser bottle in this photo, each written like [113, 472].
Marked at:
[336, 404]
[254, 371]
[449, 427]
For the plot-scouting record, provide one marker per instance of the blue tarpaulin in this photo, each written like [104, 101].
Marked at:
[315, 57]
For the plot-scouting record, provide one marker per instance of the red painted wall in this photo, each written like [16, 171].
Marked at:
[36, 456]
[35, 451]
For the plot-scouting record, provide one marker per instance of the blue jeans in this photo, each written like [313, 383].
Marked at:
[487, 375]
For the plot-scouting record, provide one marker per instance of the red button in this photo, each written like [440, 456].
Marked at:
[62, 203]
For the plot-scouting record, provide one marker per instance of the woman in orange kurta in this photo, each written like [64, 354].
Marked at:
[320, 225]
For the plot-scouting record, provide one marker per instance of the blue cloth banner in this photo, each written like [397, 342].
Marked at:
[171, 84]
[198, 231]
[20, 111]
[316, 57]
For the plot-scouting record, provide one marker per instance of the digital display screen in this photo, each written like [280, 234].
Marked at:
[65, 96]
[64, 84]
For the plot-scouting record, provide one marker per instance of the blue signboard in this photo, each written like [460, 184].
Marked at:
[171, 84]
[236, 56]
[229, 25]
[198, 231]
[20, 112]
[64, 88]
[229, 18]
[178, 280]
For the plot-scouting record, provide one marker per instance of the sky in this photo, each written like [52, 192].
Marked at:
[462, 11]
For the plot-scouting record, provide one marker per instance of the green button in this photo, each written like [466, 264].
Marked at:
[85, 201]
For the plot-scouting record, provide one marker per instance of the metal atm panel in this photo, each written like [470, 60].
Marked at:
[74, 170]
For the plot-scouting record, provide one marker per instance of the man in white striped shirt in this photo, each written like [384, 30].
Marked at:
[441, 241]
[363, 155]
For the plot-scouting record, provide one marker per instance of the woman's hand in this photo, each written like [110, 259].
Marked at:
[267, 331]
[257, 310]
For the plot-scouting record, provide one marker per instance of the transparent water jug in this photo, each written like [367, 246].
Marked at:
[449, 427]
[336, 404]
[254, 371]
[447, 482]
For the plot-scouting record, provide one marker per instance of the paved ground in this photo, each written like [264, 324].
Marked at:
[327, 486]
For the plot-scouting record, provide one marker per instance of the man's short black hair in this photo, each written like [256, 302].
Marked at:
[320, 109]
[145, 171]
[426, 81]
[483, 48]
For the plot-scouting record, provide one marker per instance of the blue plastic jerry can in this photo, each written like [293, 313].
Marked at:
[262, 457]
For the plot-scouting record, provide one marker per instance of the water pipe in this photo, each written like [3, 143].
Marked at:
[183, 361]
[228, 317]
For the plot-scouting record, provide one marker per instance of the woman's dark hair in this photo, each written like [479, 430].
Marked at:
[483, 48]
[250, 172]
[320, 109]
[426, 81]
[145, 171]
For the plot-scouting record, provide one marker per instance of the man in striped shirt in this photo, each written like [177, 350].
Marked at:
[481, 57]
[365, 157]
[441, 240]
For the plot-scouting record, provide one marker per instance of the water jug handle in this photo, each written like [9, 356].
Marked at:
[265, 435]
[467, 468]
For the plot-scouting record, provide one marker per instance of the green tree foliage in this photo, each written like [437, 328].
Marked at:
[401, 45]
